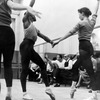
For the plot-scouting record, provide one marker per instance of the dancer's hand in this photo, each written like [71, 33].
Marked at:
[55, 43]
[51, 42]
[33, 12]
[38, 14]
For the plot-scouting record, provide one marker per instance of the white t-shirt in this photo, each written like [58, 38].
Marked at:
[49, 68]
[60, 64]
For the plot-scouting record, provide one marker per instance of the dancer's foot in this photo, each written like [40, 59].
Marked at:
[27, 97]
[49, 92]
[72, 93]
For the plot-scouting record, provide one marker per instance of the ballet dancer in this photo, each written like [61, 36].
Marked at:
[28, 53]
[84, 29]
[7, 38]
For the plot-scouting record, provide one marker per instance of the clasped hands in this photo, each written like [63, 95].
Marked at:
[54, 43]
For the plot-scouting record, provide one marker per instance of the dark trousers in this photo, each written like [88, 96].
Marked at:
[97, 80]
[56, 73]
[7, 44]
[84, 59]
[28, 53]
[59, 74]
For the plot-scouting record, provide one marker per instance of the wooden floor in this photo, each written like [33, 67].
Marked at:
[37, 91]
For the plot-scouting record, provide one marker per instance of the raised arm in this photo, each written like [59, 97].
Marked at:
[49, 61]
[32, 3]
[26, 24]
[97, 7]
[62, 38]
[16, 6]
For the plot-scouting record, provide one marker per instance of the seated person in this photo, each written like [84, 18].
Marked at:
[34, 72]
[83, 76]
[50, 70]
[60, 66]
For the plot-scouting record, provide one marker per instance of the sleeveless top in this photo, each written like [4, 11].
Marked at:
[31, 33]
[5, 14]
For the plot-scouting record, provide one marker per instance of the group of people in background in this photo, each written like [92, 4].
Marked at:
[7, 43]
[60, 71]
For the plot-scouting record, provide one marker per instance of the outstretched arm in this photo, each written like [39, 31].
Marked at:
[26, 23]
[63, 38]
[74, 31]
[44, 37]
[32, 4]
[16, 6]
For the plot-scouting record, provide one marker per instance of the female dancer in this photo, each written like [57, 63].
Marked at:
[7, 38]
[84, 29]
[28, 53]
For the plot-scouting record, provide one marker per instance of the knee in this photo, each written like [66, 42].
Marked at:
[84, 54]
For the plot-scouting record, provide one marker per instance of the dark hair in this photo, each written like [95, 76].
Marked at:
[54, 58]
[60, 56]
[28, 15]
[85, 10]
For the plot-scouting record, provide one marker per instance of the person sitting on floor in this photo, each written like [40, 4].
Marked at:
[56, 72]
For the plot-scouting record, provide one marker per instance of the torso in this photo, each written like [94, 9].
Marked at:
[86, 30]
[31, 33]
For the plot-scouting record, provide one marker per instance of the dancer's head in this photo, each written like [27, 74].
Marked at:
[29, 17]
[84, 12]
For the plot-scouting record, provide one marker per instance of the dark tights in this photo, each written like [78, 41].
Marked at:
[28, 53]
[7, 44]
[85, 52]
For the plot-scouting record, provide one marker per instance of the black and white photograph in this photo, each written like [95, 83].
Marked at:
[49, 49]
